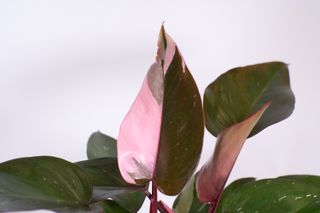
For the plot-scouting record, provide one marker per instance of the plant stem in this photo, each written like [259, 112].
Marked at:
[211, 208]
[163, 208]
[148, 194]
[154, 199]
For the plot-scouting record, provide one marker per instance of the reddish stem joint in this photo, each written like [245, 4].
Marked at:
[153, 197]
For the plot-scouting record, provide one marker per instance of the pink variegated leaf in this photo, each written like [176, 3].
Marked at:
[157, 127]
[213, 175]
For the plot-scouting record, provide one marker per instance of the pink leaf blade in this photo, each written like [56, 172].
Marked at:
[213, 175]
[157, 127]
[139, 134]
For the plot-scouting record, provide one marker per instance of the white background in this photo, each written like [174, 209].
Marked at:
[69, 68]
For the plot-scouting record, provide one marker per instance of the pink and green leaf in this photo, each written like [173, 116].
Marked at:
[239, 104]
[155, 141]
[213, 175]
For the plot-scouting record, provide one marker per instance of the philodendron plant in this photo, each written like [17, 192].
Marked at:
[159, 146]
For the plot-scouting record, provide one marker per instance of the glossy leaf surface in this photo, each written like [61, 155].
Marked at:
[106, 178]
[213, 175]
[300, 193]
[182, 129]
[100, 146]
[242, 91]
[42, 183]
[155, 141]
[187, 201]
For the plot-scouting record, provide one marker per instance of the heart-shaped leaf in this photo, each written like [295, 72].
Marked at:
[300, 193]
[155, 140]
[187, 201]
[213, 175]
[42, 183]
[106, 178]
[100, 146]
[242, 91]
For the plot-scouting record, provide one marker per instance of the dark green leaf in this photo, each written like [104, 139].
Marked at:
[42, 183]
[182, 127]
[300, 193]
[132, 201]
[241, 91]
[313, 207]
[236, 184]
[100, 146]
[187, 201]
[106, 178]
[108, 206]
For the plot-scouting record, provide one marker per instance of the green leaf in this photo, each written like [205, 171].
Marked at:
[235, 184]
[313, 207]
[42, 183]
[106, 178]
[187, 201]
[108, 206]
[242, 91]
[132, 201]
[299, 193]
[101, 145]
[182, 127]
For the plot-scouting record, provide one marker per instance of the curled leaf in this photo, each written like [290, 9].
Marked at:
[213, 175]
